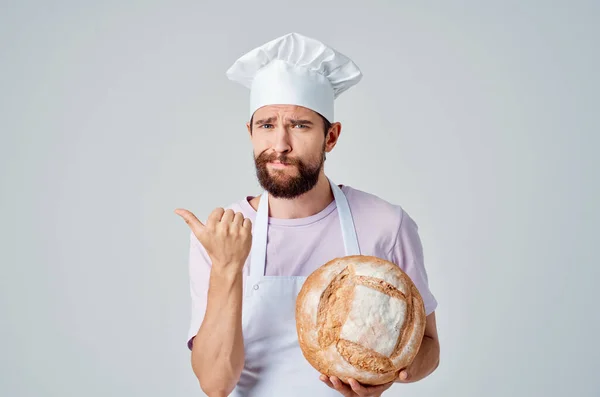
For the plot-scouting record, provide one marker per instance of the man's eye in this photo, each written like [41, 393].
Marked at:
[266, 125]
[302, 125]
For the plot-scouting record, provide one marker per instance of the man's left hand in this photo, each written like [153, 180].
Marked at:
[355, 389]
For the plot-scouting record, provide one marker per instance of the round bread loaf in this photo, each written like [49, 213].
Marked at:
[360, 317]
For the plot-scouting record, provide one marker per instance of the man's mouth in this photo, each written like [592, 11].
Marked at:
[278, 164]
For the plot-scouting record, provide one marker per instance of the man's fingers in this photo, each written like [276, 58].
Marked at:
[238, 219]
[190, 219]
[403, 375]
[340, 386]
[368, 390]
[247, 223]
[357, 387]
[326, 380]
[214, 217]
[228, 216]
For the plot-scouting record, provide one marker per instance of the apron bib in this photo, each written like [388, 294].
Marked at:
[274, 363]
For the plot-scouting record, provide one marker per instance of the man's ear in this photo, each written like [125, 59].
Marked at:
[249, 127]
[332, 136]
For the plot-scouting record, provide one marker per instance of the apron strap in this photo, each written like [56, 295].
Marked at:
[346, 222]
[259, 240]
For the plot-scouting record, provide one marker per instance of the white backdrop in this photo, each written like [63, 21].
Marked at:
[479, 118]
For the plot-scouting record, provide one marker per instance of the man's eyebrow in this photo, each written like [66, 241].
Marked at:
[264, 121]
[294, 121]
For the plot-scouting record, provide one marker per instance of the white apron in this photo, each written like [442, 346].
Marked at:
[274, 363]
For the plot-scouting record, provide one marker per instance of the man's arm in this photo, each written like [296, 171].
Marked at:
[218, 348]
[408, 253]
[428, 357]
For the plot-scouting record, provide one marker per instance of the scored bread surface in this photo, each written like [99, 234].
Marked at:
[360, 317]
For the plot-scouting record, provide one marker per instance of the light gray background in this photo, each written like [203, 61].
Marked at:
[479, 118]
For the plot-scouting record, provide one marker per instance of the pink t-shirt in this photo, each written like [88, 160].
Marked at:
[297, 247]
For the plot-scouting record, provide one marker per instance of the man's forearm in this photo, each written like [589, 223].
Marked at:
[426, 361]
[218, 349]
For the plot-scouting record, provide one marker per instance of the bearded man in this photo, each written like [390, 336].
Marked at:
[248, 261]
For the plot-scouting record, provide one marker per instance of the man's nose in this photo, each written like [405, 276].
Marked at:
[281, 142]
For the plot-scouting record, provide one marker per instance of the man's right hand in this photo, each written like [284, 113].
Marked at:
[218, 355]
[226, 237]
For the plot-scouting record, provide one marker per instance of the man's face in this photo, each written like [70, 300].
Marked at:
[289, 148]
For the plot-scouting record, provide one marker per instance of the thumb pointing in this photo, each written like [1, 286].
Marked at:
[191, 220]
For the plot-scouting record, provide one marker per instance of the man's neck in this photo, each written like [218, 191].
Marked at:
[308, 204]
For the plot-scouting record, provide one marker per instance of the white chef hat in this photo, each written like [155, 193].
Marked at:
[295, 70]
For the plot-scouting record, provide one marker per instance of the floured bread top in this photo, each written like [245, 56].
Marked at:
[374, 320]
[361, 317]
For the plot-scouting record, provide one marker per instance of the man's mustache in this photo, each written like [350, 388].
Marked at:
[282, 158]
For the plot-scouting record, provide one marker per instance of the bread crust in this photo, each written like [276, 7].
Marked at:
[360, 317]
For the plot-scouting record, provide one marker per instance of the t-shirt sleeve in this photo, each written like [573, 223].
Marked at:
[408, 254]
[199, 274]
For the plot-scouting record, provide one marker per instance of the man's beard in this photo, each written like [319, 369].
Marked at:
[280, 184]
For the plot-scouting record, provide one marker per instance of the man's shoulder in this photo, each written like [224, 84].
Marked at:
[363, 201]
[378, 220]
[375, 215]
